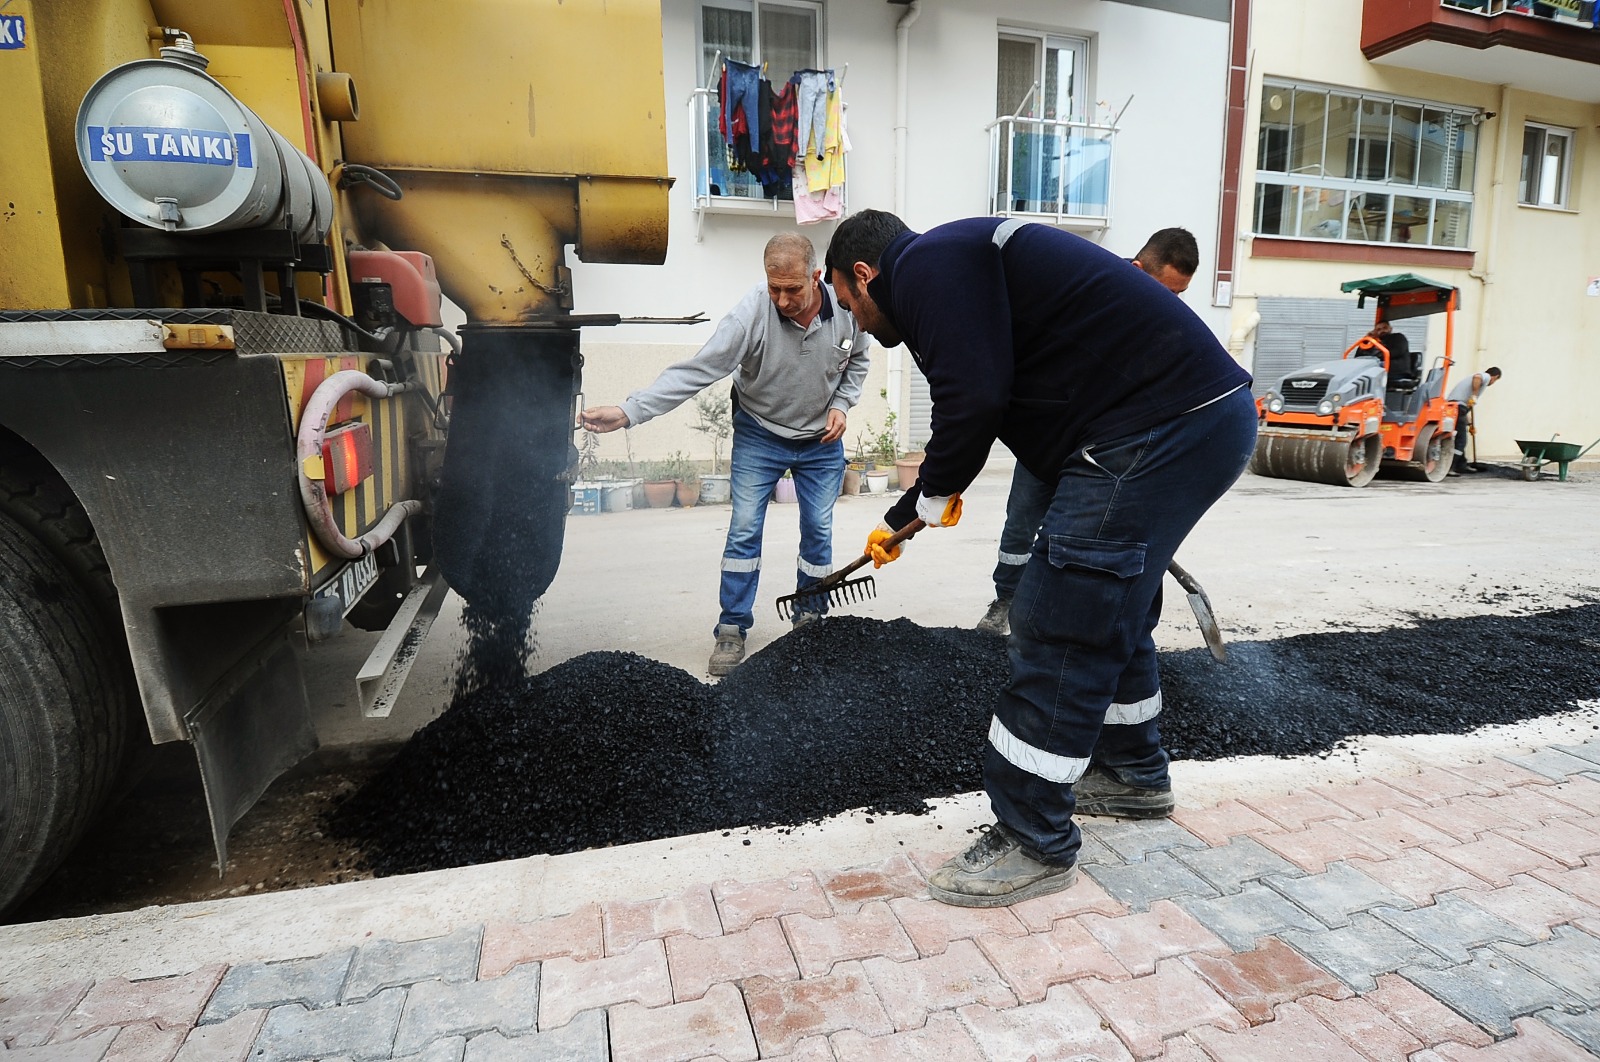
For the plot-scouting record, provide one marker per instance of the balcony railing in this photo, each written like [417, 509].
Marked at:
[1060, 170]
[1584, 13]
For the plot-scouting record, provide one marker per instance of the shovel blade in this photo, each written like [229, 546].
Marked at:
[1208, 627]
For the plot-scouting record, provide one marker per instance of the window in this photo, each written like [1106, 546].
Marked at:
[1342, 165]
[783, 36]
[1546, 159]
[1047, 157]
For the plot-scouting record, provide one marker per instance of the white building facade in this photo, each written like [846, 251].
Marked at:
[1104, 116]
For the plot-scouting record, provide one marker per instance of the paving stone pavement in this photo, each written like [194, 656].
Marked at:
[1446, 916]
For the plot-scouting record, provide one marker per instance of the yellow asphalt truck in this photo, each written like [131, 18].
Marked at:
[229, 415]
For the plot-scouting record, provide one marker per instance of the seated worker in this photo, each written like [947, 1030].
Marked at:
[1405, 365]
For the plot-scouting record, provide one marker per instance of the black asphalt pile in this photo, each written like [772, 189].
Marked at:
[610, 748]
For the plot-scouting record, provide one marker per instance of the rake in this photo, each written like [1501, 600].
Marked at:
[839, 588]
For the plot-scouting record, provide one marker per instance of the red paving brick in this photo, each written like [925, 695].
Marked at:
[1294, 1033]
[1319, 844]
[508, 944]
[167, 1002]
[1494, 858]
[1527, 805]
[1367, 798]
[1418, 875]
[819, 943]
[226, 1041]
[144, 1041]
[1421, 1015]
[1216, 824]
[1578, 792]
[1582, 882]
[567, 987]
[1086, 895]
[1393, 832]
[1032, 964]
[740, 904]
[1061, 1028]
[786, 1012]
[1364, 1027]
[692, 911]
[1463, 819]
[1139, 941]
[696, 965]
[932, 925]
[28, 1018]
[716, 1025]
[1298, 810]
[1502, 775]
[1147, 1010]
[1534, 1042]
[1532, 905]
[1435, 785]
[961, 975]
[1568, 843]
[943, 1039]
[1255, 982]
[848, 889]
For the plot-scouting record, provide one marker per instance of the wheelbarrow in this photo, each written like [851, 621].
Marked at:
[1538, 453]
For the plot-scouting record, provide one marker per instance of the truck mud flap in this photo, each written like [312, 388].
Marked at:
[254, 725]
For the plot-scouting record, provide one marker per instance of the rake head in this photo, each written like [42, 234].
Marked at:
[844, 593]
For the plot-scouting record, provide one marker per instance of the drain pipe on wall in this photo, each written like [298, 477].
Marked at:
[902, 107]
[1485, 274]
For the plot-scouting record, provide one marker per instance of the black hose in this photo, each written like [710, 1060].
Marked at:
[328, 313]
[353, 173]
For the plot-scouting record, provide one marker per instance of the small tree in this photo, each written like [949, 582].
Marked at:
[715, 420]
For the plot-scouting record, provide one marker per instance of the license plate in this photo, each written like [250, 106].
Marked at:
[353, 580]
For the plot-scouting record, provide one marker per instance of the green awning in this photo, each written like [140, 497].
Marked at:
[1395, 284]
[1402, 295]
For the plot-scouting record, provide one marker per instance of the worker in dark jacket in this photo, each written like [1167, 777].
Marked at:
[1103, 382]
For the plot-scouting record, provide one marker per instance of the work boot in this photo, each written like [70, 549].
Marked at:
[998, 619]
[803, 618]
[729, 651]
[1099, 792]
[995, 871]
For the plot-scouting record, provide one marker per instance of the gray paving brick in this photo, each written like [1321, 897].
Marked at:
[1094, 850]
[89, 1049]
[1243, 918]
[1491, 990]
[1358, 953]
[1589, 750]
[1158, 877]
[1582, 1029]
[358, 1031]
[390, 964]
[1453, 927]
[581, 1040]
[1135, 840]
[260, 985]
[1570, 960]
[451, 1049]
[435, 1009]
[1242, 859]
[1337, 893]
[1552, 763]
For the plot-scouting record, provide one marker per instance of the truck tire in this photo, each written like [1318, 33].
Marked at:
[59, 750]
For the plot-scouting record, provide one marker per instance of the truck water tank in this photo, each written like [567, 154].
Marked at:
[167, 145]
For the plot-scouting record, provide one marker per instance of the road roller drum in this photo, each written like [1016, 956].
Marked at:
[1318, 458]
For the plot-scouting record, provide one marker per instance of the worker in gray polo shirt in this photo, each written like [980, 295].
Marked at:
[797, 360]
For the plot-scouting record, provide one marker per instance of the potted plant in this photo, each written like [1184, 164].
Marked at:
[884, 448]
[909, 465]
[714, 413]
[687, 478]
[660, 487]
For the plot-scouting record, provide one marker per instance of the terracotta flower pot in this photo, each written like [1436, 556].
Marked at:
[688, 492]
[909, 466]
[658, 494]
[852, 481]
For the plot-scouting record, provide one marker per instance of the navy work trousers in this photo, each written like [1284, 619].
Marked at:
[1084, 685]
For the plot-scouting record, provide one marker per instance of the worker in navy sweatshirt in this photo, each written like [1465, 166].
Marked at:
[1104, 383]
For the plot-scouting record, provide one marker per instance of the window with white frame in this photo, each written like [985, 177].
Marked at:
[1336, 164]
[1546, 160]
[782, 36]
[1047, 156]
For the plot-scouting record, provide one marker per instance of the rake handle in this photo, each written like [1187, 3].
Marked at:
[866, 558]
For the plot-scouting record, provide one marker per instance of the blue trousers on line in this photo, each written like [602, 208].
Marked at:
[1084, 684]
[744, 92]
[759, 460]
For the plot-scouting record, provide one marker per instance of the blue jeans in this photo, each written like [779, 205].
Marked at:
[744, 92]
[1026, 505]
[1084, 685]
[760, 459]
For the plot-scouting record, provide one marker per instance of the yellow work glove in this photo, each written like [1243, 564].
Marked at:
[875, 540]
[939, 512]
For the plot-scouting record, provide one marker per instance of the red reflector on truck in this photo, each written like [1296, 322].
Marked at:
[346, 457]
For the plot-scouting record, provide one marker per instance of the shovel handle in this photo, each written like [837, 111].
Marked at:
[866, 558]
[1185, 580]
